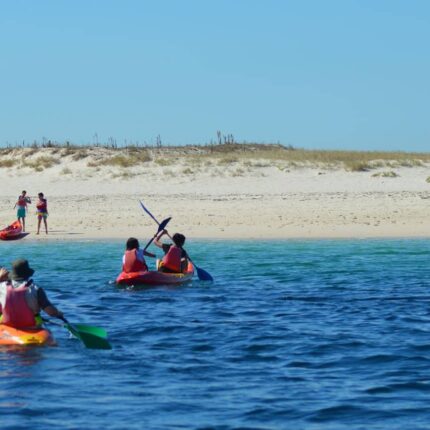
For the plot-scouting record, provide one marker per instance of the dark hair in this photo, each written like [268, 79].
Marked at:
[132, 243]
[179, 239]
[40, 195]
[24, 192]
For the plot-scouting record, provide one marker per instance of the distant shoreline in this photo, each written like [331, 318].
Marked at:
[224, 192]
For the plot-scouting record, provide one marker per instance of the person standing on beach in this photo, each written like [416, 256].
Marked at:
[21, 206]
[42, 212]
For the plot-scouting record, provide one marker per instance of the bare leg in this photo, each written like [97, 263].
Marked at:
[23, 224]
[46, 225]
[39, 220]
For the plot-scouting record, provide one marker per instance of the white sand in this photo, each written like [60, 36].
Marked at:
[222, 202]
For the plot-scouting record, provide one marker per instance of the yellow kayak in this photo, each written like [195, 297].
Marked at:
[38, 336]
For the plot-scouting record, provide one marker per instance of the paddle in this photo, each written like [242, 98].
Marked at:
[160, 228]
[92, 337]
[202, 274]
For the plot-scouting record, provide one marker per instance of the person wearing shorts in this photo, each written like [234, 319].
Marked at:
[21, 206]
[42, 212]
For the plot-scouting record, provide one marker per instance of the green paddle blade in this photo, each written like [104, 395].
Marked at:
[94, 342]
[91, 329]
[90, 340]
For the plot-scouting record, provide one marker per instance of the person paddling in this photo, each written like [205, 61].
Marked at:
[176, 258]
[21, 300]
[134, 257]
[21, 206]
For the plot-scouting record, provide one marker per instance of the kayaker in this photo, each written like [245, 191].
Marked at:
[42, 212]
[21, 206]
[134, 257]
[21, 300]
[175, 259]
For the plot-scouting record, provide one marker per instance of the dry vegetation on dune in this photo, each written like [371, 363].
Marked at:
[235, 159]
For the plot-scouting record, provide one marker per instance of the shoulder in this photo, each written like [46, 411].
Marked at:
[33, 288]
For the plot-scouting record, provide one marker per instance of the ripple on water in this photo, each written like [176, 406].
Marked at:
[319, 335]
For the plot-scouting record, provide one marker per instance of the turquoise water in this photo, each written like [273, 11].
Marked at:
[294, 334]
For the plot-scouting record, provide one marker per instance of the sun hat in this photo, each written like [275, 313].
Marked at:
[20, 270]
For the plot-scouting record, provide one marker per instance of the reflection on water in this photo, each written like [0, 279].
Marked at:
[16, 360]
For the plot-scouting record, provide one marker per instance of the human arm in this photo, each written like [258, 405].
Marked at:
[52, 311]
[46, 305]
[3, 274]
[141, 254]
[158, 237]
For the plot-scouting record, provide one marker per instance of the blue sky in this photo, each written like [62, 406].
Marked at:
[328, 74]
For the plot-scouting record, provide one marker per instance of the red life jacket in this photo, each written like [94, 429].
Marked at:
[42, 205]
[16, 311]
[172, 260]
[132, 263]
[21, 201]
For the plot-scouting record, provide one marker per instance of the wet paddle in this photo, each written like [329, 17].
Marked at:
[202, 274]
[91, 336]
[160, 228]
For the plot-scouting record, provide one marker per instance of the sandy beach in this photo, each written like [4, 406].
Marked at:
[90, 198]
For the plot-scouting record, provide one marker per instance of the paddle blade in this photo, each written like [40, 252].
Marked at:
[96, 331]
[163, 224]
[203, 275]
[88, 338]
[94, 342]
[147, 211]
[160, 228]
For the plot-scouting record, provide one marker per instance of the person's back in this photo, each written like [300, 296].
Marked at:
[15, 307]
[175, 259]
[21, 301]
[133, 259]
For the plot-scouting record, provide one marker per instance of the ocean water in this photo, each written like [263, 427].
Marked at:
[291, 335]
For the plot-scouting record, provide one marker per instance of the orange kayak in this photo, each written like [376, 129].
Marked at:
[35, 336]
[155, 278]
[12, 231]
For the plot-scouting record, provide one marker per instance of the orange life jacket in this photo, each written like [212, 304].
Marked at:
[16, 311]
[132, 263]
[172, 260]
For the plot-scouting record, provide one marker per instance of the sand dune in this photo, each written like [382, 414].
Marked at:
[92, 194]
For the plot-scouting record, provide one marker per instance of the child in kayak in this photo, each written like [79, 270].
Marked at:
[20, 300]
[21, 206]
[175, 259]
[42, 212]
[134, 257]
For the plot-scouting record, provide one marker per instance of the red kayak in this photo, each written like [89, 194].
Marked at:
[155, 278]
[12, 231]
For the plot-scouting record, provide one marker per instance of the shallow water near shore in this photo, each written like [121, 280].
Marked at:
[292, 334]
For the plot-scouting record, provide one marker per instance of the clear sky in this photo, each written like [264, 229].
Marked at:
[329, 74]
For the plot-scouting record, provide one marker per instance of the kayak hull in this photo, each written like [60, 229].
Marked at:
[28, 337]
[11, 232]
[155, 278]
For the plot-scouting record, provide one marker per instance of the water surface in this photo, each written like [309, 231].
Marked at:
[292, 334]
